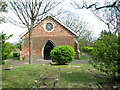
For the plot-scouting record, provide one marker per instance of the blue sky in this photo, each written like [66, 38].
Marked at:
[95, 24]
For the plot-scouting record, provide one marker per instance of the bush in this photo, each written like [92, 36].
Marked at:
[6, 46]
[105, 55]
[3, 62]
[23, 58]
[62, 54]
[15, 54]
[10, 56]
[87, 49]
[6, 50]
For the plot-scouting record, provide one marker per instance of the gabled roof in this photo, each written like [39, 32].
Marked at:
[49, 15]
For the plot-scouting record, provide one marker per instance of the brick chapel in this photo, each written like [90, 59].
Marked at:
[49, 33]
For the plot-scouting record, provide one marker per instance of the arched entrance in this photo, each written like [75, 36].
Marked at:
[47, 49]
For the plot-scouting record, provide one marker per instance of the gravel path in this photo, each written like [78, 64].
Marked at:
[44, 62]
[24, 62]
[88, 56]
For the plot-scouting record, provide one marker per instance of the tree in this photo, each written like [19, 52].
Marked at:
[105, 55]
[17, 45]
[109, 13]
[30, 13]
[6, 46]
[80, 27]
[3, 6]
[0, 47]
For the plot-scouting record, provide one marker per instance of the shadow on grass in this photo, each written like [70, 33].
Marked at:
[55, 64]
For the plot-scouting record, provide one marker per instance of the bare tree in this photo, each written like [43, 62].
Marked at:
[108, 13]
[30, 13]
[75, 23]
[3, 6]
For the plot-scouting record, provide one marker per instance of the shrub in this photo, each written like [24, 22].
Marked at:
[15, 54]
[62, 54]
[23, 58]
[6, 50]
[10, 56]
[87, 49]
[3, 62]
[6, 46]
[105, 55]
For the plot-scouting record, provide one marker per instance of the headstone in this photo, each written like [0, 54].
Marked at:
[43, 64]
[26, 63]
[69, 86]
[68, 72]
[74, 66]
[115, 87]
[7, 64]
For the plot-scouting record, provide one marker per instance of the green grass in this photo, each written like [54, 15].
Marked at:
[82, 57]
[24, 75]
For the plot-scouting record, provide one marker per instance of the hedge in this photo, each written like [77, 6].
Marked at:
[87, 49]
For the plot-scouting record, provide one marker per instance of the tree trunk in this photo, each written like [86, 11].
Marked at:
[0, 48]
[118, 41]
[30, 44]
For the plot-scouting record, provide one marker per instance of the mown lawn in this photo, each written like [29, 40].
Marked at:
[24, 75]
[82, 57]
[76, 76]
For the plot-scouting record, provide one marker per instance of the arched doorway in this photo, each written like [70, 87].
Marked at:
[47, 49]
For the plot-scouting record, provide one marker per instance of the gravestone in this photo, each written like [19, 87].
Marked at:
[6, 65]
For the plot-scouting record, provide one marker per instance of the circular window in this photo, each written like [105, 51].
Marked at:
[49, 26]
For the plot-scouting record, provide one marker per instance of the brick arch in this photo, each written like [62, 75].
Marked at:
[43, 48]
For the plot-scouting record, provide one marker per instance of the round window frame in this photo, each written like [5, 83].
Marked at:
[44, 26]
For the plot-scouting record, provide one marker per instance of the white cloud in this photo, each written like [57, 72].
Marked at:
[9, 29]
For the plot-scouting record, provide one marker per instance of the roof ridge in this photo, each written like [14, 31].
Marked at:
[47, 15]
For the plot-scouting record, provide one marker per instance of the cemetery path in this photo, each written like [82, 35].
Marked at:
[40, 62]
[88, 56]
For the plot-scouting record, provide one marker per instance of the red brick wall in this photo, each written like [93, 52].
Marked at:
[59, 36]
